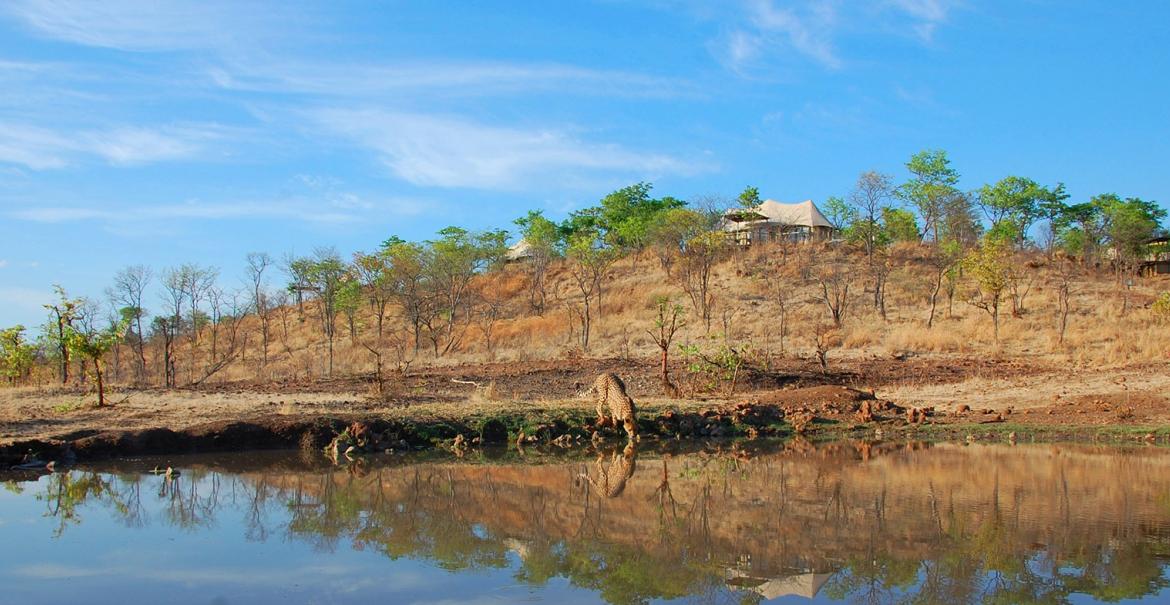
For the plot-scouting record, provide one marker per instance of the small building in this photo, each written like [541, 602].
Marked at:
[1157, 257]
[519, 252]
[776, 221]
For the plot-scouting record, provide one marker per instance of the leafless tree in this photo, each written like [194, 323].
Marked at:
[258, 265]
[129, 286]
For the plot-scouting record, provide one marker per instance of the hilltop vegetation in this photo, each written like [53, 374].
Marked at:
[1009, 271]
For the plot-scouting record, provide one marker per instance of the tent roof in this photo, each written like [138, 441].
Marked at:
[519, 250]
[804, 214]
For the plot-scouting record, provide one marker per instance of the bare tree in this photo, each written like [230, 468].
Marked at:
[693, 270]
[834, 276]
[669, 320]
[258, 264]
[129, 286]
[173, 296]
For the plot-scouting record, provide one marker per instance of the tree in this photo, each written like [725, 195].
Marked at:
[840, 214]
[930, 188]
[326, 275]
[407, 274]
[623, 218]
[173, 282]
[62, 314]
[589, 263]
[834, 276]
[694, 265]
[451, 262]
[93, 345]
[670, 319]
[900, 225]
[750, 198]
[1012, 205]
[258, 264]
[129, 286]
[990, 266]
[870, 198]
[670, 232]
[16, 355]
[543, 239]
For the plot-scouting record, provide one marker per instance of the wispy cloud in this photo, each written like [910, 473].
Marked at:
[334, 208]
[760, 34]
[768, 31]
[449, 78]
[146, 26]
[25, 300]
[442, 151]
[927, 14]
[41, 148]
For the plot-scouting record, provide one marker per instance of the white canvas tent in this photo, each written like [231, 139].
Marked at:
[773, 220]
[519, 251]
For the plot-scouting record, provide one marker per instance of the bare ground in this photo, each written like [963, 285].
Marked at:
[996, 391]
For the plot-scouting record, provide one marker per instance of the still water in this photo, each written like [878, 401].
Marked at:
[860, 523]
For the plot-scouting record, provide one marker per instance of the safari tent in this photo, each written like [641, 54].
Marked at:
[776, 221]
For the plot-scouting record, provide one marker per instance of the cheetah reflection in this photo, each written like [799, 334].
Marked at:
[611, 479]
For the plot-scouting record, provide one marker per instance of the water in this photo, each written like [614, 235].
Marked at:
[843, 522]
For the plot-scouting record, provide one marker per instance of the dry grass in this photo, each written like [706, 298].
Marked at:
[745, 310]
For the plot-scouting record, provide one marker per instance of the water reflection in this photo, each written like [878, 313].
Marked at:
[861, 523]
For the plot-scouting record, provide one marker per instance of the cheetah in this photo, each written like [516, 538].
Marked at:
[610, 393]
[611, 482]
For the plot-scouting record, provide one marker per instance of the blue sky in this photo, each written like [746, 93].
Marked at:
[198, 131]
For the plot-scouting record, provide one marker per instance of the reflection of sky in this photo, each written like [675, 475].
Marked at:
[100, 560]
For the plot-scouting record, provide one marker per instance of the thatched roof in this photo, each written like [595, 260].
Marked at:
[803, 214]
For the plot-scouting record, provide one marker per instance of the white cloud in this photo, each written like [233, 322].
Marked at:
[24, 299]
[332, 209]
[444, 151]
[40, 148]
[145, 26]
[3, 263]
[928, 14]
[449, 78]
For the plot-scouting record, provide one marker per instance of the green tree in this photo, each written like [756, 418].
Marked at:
[898, 225]
[62, 314]
[544, 241]
[1015, 203]
[325, 274]
[93, 345]
[670, 232]
[16, 355]
[450, 263]
[930, 188]
[589, 262]
[840, 214]
[750, 198]
[991, 267]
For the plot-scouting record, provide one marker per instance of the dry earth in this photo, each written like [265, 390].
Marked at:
[1014, 391]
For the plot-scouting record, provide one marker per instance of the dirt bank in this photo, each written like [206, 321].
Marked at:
[429, 407]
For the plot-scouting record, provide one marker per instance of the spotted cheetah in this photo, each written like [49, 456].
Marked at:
[611, 482]
[610, 393]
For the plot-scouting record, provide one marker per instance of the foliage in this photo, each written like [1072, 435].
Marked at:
[719, 367]
[1161, 308]
[898, 225]
[93, 345]
[749, 198]
[16, 355]
[623, 218]
[931, 187]
[840, 213]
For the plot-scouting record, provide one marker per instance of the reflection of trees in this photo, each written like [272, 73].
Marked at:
[680, 525]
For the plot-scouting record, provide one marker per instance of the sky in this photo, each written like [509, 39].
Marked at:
[197, 131]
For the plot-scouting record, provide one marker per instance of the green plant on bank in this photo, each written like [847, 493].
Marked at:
[1161, 308]
[67, 407]
[93, 345]
[719, 367]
